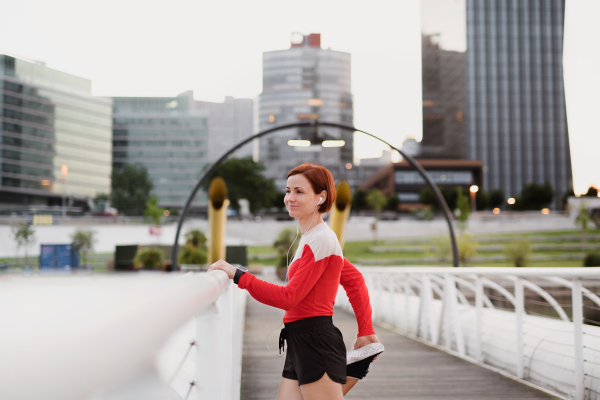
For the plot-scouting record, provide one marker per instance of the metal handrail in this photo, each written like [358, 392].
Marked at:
[520, 344]
[72, 337]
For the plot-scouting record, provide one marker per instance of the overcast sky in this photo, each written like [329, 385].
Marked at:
[158, 48]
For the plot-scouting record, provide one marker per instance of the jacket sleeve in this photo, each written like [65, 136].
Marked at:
[354, 284]
[307, 273]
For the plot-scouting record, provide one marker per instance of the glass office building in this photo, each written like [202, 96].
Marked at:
[301, 84]
[443, 45]
[50, 120]
[516, 111]
[168, 137]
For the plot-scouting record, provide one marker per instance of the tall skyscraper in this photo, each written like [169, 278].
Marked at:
[303, 83]
[175, 138]
[443, 44]
[51, 125]
[516, 111]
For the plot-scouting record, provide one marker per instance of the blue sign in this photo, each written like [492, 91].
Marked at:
[62, 257]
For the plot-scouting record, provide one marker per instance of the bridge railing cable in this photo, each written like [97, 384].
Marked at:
[538, 325]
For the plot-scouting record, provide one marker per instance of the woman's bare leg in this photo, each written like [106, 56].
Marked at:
[350, 382]
[289, 390]
[323, 389]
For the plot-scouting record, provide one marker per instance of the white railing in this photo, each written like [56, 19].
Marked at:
[121, 337]
[484, 315]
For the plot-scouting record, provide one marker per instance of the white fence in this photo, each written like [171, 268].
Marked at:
[451, 308]
[138, 336]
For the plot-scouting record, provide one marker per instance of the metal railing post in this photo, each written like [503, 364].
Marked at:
[225, 306]
[479, 313]
[208, 359]
[577, 302]
[519, 312]
[391, 285]
[406, 304]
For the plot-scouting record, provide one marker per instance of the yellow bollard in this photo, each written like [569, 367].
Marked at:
[217, 219]
[340, 211]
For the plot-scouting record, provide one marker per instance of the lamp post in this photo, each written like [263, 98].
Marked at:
[474, 189]
[64, 170]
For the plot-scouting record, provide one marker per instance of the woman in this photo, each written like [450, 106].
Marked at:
[315, 365]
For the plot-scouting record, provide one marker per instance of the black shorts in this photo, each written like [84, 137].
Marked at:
[314, 346]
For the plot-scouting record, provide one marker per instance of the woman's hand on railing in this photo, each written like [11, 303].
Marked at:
[223, 266]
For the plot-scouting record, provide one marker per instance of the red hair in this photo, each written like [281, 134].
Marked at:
[320, 179]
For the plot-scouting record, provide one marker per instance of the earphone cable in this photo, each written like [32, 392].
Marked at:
[286, 280]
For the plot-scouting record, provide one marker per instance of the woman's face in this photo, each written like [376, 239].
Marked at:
[300, 198]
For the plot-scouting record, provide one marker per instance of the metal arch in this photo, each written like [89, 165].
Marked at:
[438, 195]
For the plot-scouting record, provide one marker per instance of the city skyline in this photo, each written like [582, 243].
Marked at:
[385, 53]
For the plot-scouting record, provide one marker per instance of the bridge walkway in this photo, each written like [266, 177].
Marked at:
[406, 370]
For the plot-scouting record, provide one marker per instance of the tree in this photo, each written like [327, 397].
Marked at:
[496, 198]
[102, 196]
[24, 235]
[130, 189]
[583, 219]
[245, 181]
[592, 192]
[286, 246]
[427, 198]
[154, 211]
[359, 200]
[83, 241]
[536, 197]
[375, 201]
[565, 197]
[464, 209]
[393, 202]
[482, 200]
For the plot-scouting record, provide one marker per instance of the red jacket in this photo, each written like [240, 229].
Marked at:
[317, 270]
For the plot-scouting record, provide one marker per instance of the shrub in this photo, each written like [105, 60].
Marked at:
[467, 248]
[192, 255]
[196, 239]
[518, 253]
[591, 260]
[442, 249]
[149, 258]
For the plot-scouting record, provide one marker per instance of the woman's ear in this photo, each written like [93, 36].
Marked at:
[323, 196]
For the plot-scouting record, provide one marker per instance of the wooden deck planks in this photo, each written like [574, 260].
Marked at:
[406, 370]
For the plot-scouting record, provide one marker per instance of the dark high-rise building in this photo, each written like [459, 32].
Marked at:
[516, 113]
[443, 73]
[303, 83]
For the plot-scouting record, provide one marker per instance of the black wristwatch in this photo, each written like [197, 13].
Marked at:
[238, 273]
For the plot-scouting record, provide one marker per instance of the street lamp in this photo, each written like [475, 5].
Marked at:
[474, 189]
[64, 170]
